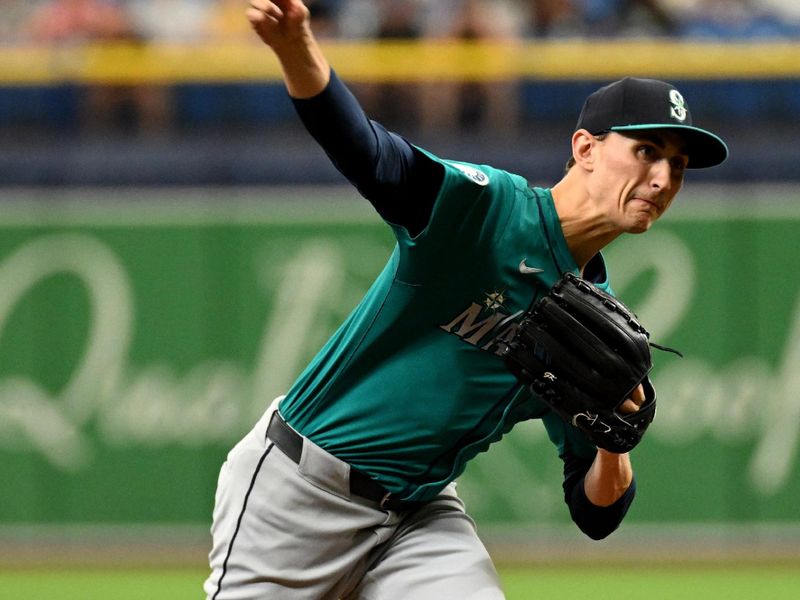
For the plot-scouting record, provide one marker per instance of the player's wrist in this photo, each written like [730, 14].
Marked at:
[295, 49]
[608, 478]
[609, 455]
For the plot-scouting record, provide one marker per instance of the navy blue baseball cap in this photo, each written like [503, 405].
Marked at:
[634, 104]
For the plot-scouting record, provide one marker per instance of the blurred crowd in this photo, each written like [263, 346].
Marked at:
[152, 108]
[63, 21]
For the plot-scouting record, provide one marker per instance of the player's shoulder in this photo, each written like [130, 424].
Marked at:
[480, 175]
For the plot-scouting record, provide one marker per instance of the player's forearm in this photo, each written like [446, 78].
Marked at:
[595, 521]
[306, 71]
[608, 478]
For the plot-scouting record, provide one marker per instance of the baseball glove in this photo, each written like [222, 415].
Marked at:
[583, 353]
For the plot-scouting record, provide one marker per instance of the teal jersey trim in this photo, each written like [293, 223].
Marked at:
[411, 387]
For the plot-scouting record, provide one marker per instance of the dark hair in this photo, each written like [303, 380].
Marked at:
[571, 161]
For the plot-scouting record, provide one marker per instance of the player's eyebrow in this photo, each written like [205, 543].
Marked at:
[652, 137]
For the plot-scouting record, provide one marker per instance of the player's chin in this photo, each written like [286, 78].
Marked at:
[639, 226]
[640, 222]
[640, 215]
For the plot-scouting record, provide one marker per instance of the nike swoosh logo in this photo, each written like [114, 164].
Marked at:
[526, 270]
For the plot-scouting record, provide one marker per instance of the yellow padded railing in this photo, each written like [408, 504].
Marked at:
[248, 61]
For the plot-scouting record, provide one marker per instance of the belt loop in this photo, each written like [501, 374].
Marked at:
[385, 499]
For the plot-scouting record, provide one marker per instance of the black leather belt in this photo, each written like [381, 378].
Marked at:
[291, 444]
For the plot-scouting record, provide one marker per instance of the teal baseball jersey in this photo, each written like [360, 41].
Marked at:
[411, 386]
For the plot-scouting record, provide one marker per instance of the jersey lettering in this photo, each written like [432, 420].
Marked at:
[487, 333]
[468, 325]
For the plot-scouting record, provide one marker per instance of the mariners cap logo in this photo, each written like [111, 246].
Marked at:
[678, 110]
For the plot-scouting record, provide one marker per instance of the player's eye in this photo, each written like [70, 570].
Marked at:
[678, 165]
[647, 152]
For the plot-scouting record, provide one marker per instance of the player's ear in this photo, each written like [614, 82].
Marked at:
[583, 144]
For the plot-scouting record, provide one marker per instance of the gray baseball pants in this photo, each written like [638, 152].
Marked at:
[283, 530]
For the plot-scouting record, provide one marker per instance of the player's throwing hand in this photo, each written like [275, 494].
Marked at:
[285, 26]
[279, 22]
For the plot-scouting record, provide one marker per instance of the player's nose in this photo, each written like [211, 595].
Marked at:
[661, 175]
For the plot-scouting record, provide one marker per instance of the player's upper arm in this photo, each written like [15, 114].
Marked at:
[399, 180]
[403, 184]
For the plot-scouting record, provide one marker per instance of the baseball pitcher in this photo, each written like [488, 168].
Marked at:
[494, 307]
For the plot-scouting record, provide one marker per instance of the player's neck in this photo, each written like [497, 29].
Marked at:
[585, 229]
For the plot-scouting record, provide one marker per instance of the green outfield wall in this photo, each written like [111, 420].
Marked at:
[143, 332]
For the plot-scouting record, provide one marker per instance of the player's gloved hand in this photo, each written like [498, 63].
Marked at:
[279, 23]
[584, 354]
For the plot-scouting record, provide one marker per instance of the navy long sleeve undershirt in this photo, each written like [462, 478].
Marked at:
[399, 180]
[402, 184]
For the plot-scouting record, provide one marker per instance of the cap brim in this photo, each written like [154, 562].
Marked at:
[704, 148]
